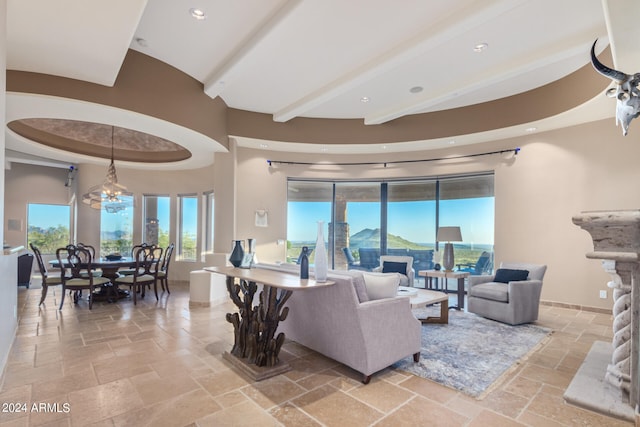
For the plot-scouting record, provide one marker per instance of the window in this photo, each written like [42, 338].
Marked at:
[116, 229]
[209, 215]
[358, 207]
[468, 202]
[156, 217]
[411, 221]
[188, 227]
[400, 217]
[48, 226]
[308, 203]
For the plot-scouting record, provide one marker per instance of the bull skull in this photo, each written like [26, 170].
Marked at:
[627, 93]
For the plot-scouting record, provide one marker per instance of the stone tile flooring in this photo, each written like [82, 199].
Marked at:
[160, 364]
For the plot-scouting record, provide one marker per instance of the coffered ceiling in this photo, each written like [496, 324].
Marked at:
[371, 60]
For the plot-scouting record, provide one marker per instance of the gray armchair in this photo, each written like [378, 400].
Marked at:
[407, 272]
[514, 301]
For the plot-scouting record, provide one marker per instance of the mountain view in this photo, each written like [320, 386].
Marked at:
[370, 238]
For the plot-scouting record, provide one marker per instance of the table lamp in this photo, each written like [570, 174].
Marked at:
[448, 234]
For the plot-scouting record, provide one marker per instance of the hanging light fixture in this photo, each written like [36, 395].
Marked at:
[110, 195]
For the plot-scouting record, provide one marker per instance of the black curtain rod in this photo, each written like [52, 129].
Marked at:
[515, 152]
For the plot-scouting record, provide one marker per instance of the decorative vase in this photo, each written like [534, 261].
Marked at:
[304, 263]
[251, 244]
[320, 264]
[237, 254]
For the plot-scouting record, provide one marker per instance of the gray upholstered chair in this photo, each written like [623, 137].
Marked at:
[394, 261]
[508, 301]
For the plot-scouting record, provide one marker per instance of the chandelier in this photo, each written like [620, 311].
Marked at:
[110, 195]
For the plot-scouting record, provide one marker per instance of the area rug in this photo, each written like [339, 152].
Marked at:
[472, 354]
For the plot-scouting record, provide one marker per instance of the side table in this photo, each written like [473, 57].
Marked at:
[460, 275]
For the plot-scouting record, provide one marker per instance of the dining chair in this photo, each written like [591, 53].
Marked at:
[92, 251]
[163, 272]
[48, 279]
[77, 273]
[129, 271]
[144, 274]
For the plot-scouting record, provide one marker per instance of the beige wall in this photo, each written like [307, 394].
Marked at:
[557, 175]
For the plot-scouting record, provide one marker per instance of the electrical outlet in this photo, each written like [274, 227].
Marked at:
[603, 294]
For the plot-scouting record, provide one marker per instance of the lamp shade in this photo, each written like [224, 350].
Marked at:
[449, 234]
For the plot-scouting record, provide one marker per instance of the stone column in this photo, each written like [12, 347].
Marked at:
[616, 240]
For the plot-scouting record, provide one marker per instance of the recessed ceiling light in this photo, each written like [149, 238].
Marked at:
[416, 89]
[197, 13]
[384, 147]
[531, 129]
[324, 149]
[452, 142]
[480, 47]
[365, 99]
[263, 145]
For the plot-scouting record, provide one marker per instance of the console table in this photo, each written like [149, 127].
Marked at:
[256, 346]
[443, 274]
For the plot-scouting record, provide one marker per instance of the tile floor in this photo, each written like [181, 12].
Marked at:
[160, 364]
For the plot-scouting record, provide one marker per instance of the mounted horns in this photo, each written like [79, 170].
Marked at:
[615, 75]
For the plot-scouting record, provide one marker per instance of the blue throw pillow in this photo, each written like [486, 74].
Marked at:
[394, 267]
[506, 275]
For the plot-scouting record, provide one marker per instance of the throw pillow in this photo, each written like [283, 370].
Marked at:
[506, 275]
[394, 267]
[381, 285]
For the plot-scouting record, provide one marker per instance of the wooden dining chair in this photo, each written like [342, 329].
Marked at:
[144, 274]
[163, 272]
[48, 279]
[129, 271]
[77, 273]
[92, 251]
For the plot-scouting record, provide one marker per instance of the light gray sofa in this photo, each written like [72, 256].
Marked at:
[513, 302]
[339, 322]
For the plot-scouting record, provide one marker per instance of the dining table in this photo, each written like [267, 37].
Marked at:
[109, 268]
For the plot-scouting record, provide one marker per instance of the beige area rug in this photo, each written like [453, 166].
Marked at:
[472, 354]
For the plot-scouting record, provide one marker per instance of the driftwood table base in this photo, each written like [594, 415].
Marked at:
[256, 345]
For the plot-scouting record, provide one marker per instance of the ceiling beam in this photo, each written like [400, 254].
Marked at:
[216, 82]
[447, 29]
[499, 73]
[621, 17]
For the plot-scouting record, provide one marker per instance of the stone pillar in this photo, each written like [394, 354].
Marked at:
[340, 233]
[341, 240]
[616, 240]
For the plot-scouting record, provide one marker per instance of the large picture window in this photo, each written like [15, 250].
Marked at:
[401, 217]
[48, 226]
[157, 220]
[188, 227]
[116, 229]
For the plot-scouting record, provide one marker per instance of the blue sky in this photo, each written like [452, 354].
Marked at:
[414, 221]
[47, 216]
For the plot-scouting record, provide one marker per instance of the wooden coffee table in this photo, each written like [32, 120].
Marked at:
[423, 297]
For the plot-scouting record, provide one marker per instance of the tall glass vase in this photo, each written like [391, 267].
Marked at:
[321, 263]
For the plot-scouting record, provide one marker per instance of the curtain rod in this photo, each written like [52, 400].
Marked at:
[515, 152]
